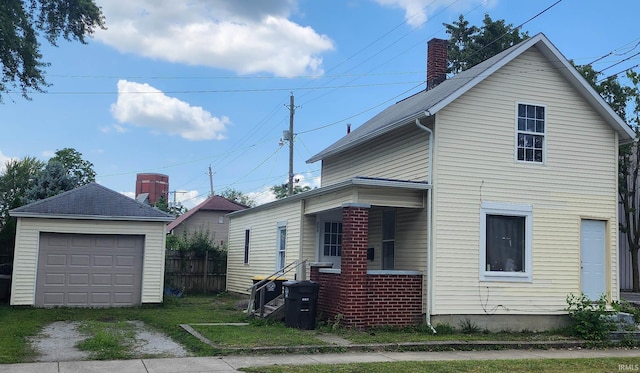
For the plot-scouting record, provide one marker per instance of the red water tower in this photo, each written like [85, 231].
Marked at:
[155, 185]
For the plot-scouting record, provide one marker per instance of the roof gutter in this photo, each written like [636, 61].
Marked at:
[429, 225]
[90, 217]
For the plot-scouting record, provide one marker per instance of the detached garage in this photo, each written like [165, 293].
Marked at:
[88, 247]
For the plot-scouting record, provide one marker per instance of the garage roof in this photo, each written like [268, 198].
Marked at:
[91, 201]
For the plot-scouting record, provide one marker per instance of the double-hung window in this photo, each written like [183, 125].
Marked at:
[281, 246]
[530, 139]
[505, 242]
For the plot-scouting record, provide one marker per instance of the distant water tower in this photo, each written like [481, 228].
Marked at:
[153, 185]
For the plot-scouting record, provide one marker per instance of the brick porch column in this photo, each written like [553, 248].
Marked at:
[355, 236]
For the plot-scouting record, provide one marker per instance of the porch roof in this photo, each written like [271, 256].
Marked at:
[393, 193]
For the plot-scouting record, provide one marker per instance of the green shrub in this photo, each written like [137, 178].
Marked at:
[467, 326]
[588, 319]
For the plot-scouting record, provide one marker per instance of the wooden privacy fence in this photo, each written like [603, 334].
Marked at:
[191, 273]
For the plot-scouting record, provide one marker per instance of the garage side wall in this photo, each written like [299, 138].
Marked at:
[27, 245]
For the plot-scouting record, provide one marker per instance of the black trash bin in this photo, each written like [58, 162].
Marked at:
[5, 282]
[271, 291]
[300, 303]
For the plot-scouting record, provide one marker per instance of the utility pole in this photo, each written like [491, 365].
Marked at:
[211, 181]
[289, 137]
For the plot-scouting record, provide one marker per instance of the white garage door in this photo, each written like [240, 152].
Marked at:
[82, 270]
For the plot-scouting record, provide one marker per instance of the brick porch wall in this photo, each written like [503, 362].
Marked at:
[394, 300]
[391, 299]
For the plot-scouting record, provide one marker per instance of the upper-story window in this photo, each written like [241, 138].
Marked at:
[531, 133]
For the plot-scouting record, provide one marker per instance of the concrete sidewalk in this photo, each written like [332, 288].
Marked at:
[232, 363]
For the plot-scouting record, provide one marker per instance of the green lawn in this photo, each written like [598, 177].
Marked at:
[19, 323]
[483, 366]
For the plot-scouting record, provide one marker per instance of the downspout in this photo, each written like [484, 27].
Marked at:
[429, 229]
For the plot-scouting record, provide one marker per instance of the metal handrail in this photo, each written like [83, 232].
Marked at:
[262, 284]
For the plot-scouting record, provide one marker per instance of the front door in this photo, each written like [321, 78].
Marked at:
[593, 258]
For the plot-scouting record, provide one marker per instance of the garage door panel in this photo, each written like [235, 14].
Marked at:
[83, 274]
[101, 279]
[53, 279]
[79, 260]
[103, 260]
[125, 261]
[79, 279]
[124, 279]
[56, 260]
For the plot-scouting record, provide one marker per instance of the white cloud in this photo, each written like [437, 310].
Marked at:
[241, 36]
[48, 154]
[418, 11]
[265, 195]
[3, 160]
[189, 198]
[145, 106]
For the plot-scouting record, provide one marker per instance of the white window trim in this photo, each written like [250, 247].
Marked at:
[508, 209]
[544, 135]
[281, 225]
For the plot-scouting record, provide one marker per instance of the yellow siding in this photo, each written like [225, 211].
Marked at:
[263, 226]
[27, 245]
[206, 221]
[403, 155]
[474, 162]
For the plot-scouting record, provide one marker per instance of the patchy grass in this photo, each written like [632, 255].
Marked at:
[483, 366]
[258, 334]
[20, 323]
[423, 333]
[108, 340]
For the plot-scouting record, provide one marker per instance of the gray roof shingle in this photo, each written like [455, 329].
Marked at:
[91, 201]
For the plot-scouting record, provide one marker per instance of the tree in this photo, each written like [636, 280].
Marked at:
[14, 181]
[470, 45]
[175, 210]
[23, 21]
[620, 98]
[238, 197]
[51, 181]
[282, 191]
[78, 168]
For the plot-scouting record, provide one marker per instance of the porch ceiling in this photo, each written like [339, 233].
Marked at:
[368, 191]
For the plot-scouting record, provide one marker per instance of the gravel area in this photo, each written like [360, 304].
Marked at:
[56, 342]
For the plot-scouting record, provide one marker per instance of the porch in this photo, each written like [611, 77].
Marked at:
[371, 272]
[386, 298]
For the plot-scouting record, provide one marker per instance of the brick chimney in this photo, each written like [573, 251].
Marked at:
[436, 62]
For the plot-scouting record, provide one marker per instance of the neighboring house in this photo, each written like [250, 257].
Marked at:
[488, 197]
[209, 216]
[88, 247]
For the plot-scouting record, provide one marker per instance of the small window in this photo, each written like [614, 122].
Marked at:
[531, 127]
[388, 239]
[281, 246]
[220, 219]
[246, 246]
[332, 245]
[505, 242]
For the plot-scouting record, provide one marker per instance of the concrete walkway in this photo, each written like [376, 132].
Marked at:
[232, 363]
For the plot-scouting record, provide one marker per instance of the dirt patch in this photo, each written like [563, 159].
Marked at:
[57, 342]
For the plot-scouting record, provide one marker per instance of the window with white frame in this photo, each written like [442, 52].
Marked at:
[281, 246]
[530, 138]
[332, 244]
[505, 242]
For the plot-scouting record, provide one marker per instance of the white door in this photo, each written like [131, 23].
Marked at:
[592, 258]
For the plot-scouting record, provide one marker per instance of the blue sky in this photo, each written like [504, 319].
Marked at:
[174, 87]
